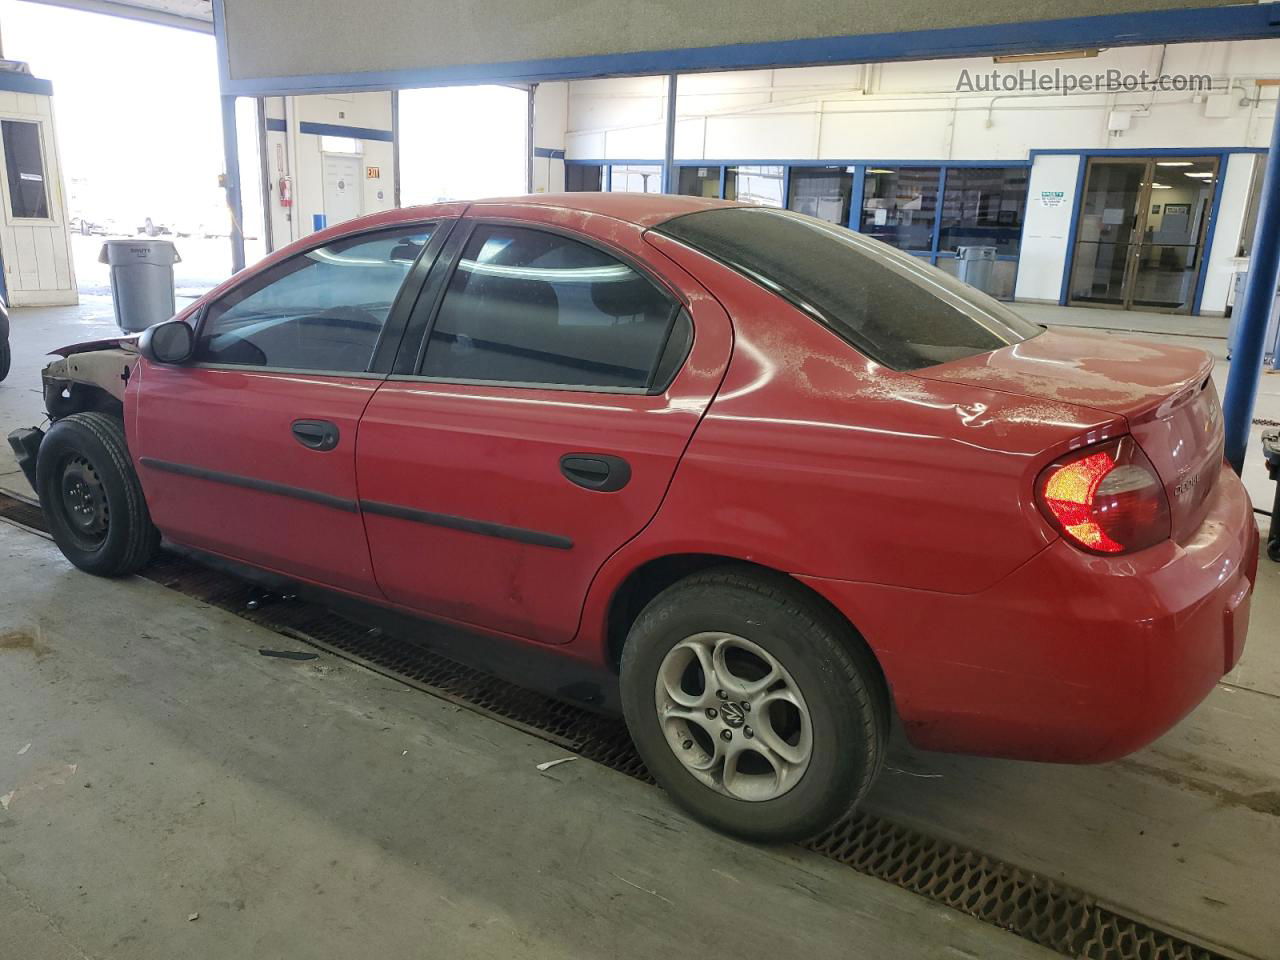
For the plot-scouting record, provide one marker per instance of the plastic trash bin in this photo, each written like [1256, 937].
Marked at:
[141, 280]
[976, 266]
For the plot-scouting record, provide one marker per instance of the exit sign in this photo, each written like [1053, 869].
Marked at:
[373, 173]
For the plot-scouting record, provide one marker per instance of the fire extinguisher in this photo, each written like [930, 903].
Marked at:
[286, 191]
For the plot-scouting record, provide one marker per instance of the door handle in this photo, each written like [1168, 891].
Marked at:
[596, 471]
[316, 434]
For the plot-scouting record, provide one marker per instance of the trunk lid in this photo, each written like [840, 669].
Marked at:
[1165, 394]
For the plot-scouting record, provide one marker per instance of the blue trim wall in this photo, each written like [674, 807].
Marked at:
[1236, 22]
[342, 130]
[11, 82]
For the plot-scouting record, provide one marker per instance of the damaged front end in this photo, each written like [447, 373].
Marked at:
[86, 376]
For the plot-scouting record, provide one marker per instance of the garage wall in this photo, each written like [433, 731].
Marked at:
[327, 37]
[912, 110]
[294, 152]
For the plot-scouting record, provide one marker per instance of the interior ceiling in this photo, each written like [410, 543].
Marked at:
[188, 14]
[469, 40]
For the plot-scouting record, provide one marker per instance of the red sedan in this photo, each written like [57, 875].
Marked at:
[786, 481]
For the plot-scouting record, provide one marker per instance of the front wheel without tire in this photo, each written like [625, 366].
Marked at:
[91, 496]
[753, 704]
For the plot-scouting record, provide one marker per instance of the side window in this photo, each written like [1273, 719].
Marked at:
[526, 306]
[24, 169]
[321, 310]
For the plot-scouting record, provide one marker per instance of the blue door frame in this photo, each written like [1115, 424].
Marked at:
[1221, 154]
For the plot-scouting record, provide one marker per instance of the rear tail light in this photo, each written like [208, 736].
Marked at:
[1106, 499]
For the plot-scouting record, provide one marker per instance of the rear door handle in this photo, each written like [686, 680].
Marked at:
[596, 471]
[316, 434]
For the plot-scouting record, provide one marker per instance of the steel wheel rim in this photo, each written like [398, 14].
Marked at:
[734, 716]
[84, 502]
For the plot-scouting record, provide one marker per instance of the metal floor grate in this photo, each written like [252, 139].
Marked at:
[1069, 921]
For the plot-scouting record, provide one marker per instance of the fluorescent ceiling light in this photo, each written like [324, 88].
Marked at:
[1051, 55]
[879, 170]
[1198, 176]
[1161, 186]
[1173, 163]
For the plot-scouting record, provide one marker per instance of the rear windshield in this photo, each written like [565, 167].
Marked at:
[895, 308]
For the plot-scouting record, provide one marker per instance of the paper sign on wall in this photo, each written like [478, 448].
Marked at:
[1052, 198]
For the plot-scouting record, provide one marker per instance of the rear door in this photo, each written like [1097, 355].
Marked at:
[249, 451]
[538, 424]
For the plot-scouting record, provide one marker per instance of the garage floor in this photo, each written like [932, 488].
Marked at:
[154, 768]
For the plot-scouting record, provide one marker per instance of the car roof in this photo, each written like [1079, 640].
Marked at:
[641, 209]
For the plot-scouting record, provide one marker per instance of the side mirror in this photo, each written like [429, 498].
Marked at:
[170, 342]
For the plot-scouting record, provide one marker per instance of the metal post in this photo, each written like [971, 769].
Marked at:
[231, 181]
[532, 150]
[264, 163]
[669, 147]
[395, 147]
[1255, 311]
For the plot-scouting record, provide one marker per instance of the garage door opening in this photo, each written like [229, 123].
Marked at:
[463, 143]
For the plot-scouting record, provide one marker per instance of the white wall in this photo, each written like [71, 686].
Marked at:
[1221, 268]
[550, 120]
[299, 154]
[913, 111]
[1050, 197]
[37, 253]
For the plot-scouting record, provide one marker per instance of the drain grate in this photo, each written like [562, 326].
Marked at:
[1033, 907]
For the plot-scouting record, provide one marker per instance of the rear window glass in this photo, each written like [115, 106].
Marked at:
[898, 310]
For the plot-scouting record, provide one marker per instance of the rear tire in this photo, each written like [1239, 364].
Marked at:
[92, 498]
[776, 658]
[5, 358]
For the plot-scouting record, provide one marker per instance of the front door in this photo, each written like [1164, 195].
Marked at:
[249, 451]
[343, 186]
[538, 427]
[1141, 233]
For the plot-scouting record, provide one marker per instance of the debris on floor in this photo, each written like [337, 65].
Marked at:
[289, 654]
[555, 763]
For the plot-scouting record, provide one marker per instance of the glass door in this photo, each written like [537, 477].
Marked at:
[1141, 231]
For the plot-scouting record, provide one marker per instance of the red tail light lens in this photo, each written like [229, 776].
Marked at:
[1106, 499]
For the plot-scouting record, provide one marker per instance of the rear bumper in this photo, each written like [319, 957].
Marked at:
[1072, 658]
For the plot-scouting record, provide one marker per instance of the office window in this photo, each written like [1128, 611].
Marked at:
[822, 192]
[758, 185]
[699, 181]
[899, 206]
[635, 178]
[24, 167]
[583, 177]
[984, 206]
[530, 307]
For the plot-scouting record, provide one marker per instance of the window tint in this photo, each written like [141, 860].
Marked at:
[24, 168]
[320, 310]
[895, 308]
[531, 307]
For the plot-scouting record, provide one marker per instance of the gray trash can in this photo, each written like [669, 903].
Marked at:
[141, 280]
[976, 266]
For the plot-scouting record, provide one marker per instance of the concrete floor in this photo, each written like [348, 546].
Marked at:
[316, 809]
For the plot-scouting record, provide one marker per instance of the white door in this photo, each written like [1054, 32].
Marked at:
[342, 187]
